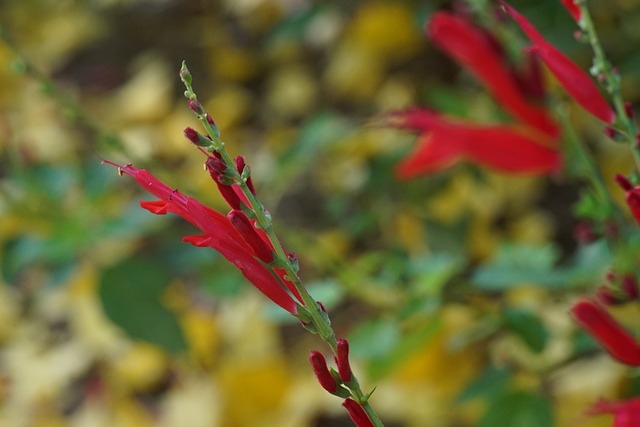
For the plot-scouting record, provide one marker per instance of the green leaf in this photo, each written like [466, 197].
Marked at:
[528, 327]
[516, 264]
[385, 346]
[491, 382]
[131, 295]
[518, 409]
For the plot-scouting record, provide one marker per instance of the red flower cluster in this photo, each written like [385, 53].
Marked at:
[526, 147]
[234, 236]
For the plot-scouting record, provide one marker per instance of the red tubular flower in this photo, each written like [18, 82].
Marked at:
[626, 413]
[357, 414]
[575, 81]
[342, 360]
[319, 365]
[445, 141]
[472, 48]
[219, 234]
[249, 234]
[573, 9]
[614, 338]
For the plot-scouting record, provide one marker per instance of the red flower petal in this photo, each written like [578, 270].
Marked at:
[218, 234]
[357, 414]
[445, 141]
[471, 47]
[593, 318]
[319, 365]
[247, 231]
[573, 9]
[158, 207]
[575, 81]
[627, 413]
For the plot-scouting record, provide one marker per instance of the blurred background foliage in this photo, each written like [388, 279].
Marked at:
[453, 289]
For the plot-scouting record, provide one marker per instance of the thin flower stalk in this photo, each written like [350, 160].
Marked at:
[603, 69]
[247, 239]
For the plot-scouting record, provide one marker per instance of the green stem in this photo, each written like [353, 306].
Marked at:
[602, 67]
[319, 320]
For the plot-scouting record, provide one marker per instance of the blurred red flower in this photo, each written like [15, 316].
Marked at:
[626, 413]
[595, 319]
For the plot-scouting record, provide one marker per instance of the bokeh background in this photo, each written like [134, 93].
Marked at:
[453, 289]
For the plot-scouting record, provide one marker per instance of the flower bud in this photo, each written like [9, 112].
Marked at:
[217, 168]
[185, 75]
[195, 106]
[342, 360]
[249, 234]
[196, 137]
[319, 364]
[245, 172]
[357, 413]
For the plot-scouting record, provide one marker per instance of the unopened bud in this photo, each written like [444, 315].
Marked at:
[245, 172]
[319, 365]
[185, 75]
[195, 106]
[196, 137]
[342, 360]
[216, 169]
[243, 226]
[357, 413]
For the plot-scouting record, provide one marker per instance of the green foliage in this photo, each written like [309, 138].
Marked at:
[131, 293]
[518, 409]
[528, 327]
[525, 264]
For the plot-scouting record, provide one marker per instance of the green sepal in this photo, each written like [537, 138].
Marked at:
[247, 211]
[303, 315]
[278, 262]
[246, 173]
